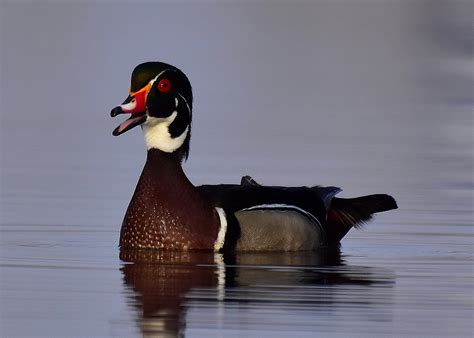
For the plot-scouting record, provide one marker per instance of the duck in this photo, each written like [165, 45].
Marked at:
[168, 212]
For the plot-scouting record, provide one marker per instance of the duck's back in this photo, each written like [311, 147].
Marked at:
[277, 218]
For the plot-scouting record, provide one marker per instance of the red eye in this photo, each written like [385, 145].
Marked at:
[164, 85]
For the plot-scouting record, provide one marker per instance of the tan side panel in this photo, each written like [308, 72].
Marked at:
[276, 230]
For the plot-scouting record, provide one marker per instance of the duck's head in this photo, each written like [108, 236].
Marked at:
[160, 100]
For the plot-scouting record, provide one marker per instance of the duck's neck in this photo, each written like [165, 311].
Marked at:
[166, 210]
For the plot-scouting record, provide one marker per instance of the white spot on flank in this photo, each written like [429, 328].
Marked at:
[157, 134]
[219, 243]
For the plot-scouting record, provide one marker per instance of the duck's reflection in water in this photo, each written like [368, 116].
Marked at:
[166, 284]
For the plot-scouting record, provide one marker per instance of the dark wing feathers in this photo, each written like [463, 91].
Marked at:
[336, 215]
[326, 193]
[346, 213]
[247, 180]
[234, 197]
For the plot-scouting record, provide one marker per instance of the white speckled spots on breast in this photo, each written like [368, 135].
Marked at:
[166, 212]
[153, 228]
[149, 223]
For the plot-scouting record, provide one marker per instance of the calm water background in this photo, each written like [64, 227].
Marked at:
[372, 96]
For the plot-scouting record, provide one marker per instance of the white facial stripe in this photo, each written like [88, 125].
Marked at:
[161, 73]
[185, 101]
[219, 243]
[157, 135]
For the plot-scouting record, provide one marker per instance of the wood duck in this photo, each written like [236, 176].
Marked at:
[168, 212]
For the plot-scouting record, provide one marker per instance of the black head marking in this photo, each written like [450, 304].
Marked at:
[163, 103]
[145, 72]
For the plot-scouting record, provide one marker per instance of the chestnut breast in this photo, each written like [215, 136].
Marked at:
[166, 210]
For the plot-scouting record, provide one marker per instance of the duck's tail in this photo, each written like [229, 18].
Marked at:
[345, 213]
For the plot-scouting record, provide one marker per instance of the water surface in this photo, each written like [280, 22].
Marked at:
[386, 282]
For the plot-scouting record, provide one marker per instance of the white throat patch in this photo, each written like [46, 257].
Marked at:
[157, 134]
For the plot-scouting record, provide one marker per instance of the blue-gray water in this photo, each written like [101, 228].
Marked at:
[375, 97]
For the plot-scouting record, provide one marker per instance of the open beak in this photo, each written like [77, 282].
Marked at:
[135, 104]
